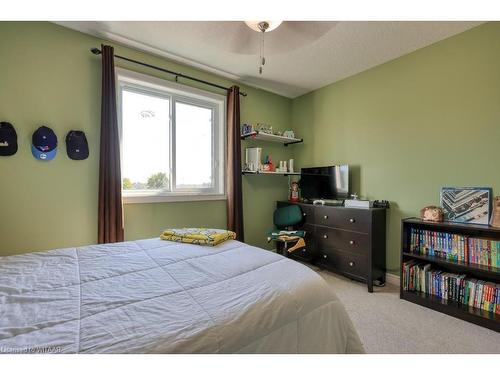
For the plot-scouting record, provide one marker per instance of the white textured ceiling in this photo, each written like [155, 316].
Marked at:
[301, 56]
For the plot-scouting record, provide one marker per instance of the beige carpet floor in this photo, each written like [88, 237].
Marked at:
[387, 324]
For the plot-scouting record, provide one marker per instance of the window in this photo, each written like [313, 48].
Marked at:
[172, 140]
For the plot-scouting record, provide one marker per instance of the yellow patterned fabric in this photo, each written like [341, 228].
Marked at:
[198, 236]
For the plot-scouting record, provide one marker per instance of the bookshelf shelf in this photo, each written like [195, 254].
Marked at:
[481, 272]
[271, 138]
[475, 269]
[467, 313]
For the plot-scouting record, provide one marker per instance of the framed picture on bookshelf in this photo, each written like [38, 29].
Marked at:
[469, 205]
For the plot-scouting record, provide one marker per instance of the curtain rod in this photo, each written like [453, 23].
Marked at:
[97, 51]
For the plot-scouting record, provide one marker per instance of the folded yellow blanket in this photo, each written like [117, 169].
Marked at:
[198, 236]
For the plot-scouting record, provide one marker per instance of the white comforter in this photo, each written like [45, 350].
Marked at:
[155, 296]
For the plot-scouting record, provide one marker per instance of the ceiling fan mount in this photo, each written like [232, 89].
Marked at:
[262, 27]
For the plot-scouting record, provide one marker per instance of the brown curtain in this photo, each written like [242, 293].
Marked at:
[234, 189]
[110, 227]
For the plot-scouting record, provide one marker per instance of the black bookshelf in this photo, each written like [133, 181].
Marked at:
[461, 311]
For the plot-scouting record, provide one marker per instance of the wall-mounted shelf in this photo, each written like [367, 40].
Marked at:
[273, 173]
[271, 138]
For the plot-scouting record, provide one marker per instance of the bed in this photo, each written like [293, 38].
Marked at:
[155, 296]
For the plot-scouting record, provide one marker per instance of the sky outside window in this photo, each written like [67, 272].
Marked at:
[146, 146]
[193, 146]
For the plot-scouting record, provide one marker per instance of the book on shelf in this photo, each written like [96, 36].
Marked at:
[420, 277]
[455, 247]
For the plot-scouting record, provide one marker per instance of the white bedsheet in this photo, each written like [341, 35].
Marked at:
[154, 296]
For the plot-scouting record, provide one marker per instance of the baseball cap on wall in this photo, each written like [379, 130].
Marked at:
[44, 143]
[8, 139]
[76, 145]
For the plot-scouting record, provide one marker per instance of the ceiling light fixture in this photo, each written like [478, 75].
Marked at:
[262, 27]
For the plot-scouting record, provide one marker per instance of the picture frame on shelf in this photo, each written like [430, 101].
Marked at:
[467, 205]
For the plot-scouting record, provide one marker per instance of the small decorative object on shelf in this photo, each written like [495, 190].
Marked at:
[247, 129]
[268, 165]
[495, 217]
[432, 213]
[283, 166]
[263, 128]
[289, 134]
[294, 192]
[466, 205]
[253, 159]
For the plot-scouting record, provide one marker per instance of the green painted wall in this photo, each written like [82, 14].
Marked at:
[410, 126]
[48, 76]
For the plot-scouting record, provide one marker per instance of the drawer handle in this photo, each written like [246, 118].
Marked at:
[325, 256]
[351, 264]
[351, 242]
[325, 236]
[304, 214]
[351, 220]
[325, 217]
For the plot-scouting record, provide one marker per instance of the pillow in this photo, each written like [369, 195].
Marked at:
[198, 236]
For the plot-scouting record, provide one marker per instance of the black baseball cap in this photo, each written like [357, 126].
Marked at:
[8, 139]
[76, 145]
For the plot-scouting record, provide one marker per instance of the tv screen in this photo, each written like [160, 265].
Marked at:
[325, 182]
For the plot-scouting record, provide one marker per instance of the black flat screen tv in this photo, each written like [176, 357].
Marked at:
[325, 182]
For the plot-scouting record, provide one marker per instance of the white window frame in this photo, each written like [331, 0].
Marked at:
[177, 93]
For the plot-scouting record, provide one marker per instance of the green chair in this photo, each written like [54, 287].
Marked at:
[285, 220]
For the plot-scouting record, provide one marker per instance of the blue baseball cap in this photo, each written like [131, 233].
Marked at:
[44, 143]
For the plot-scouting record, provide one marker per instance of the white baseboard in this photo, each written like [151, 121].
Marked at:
[392, 279]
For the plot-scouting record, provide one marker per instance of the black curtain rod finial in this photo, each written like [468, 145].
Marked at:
[95, 51]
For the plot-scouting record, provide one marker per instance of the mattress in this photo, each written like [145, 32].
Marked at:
[155, 296]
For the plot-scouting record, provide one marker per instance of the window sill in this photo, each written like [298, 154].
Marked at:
[132, 199]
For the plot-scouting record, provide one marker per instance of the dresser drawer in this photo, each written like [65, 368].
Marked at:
[310, 232]
[337, 239]
[307, 214]
[345, 218]
[351, 264]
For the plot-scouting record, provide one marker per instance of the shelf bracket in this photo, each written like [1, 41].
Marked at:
[294, 142]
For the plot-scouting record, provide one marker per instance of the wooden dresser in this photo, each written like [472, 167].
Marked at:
[349, 241]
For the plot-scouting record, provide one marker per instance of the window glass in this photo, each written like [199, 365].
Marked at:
[145, 141]
[193, 146]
